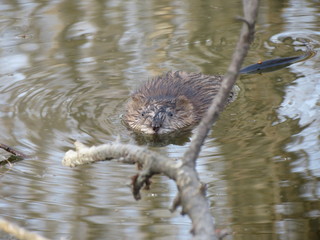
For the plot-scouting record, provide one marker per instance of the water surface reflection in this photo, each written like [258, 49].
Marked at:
[67, 70]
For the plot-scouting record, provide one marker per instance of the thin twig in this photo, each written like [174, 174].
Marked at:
[12, 150]
[246, 36]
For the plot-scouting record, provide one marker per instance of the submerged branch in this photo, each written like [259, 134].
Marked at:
[15, 157]
[12, 150]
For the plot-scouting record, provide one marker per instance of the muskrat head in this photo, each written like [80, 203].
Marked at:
[159, 115]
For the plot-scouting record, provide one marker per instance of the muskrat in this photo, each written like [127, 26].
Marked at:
[171, 102]
[178, 100]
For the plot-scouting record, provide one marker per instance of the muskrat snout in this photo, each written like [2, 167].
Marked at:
[156, 125]
[158, 120]
[156, 128]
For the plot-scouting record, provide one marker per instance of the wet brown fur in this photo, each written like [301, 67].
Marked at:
[171, 102]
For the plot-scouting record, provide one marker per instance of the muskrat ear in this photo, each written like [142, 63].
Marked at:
[138, 97]
[183, 102]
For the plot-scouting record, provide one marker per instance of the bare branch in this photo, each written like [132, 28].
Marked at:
[152, 163]
[246, 36]
[191, 195]
[19, 232]
[12, 151]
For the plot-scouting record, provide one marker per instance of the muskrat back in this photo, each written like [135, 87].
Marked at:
[171, 102]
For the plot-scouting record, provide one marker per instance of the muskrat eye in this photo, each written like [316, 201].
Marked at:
[170, 114]
[143, 114]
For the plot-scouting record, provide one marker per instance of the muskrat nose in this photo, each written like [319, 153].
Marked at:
[157, 120]
[156, 124]
[156, 129]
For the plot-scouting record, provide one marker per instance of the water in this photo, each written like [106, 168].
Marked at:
[67, 68]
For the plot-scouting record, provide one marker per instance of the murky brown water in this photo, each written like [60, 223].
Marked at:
[67, 68]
